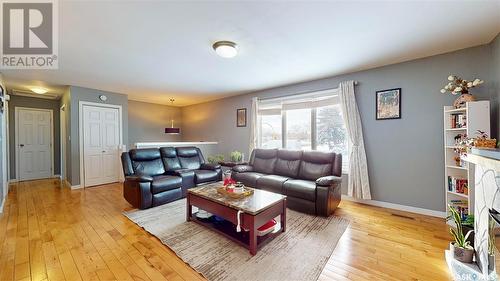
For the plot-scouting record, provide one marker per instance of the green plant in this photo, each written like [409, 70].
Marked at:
[458, 235]
[215, 159]
[236, 156]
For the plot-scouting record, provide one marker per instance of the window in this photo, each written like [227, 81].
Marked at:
[298, 129]
[331, 131]
[306, 122]
[270, 126]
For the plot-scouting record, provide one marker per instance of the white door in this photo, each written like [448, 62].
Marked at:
[101, 140]
[34, 140]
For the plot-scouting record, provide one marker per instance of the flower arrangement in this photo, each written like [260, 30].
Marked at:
[458, 85]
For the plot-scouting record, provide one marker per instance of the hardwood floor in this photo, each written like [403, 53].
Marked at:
[49, 232]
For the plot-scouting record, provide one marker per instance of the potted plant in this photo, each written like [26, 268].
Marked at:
[215, 159]
[461, 86]
[461, 248]
[236, 156]
[467, 226]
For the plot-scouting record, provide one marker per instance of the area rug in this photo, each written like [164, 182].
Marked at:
[298, 254]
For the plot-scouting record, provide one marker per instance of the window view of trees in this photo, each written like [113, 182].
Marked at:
[331, 130]
[298, 129]
[270, 126]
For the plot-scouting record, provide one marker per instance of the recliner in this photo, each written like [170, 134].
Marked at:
[311, 180]
[155, 176]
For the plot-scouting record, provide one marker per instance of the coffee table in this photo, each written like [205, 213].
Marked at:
[254, 211]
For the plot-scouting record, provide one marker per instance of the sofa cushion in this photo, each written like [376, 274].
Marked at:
[169, 158]
[144, 154]
[316, 164]
[273, 183]
[163, 183]
[288, 163]
[189, 157]
[303, 189]
[248, 179]
[146, 161]
[264, 160]
[201, 176]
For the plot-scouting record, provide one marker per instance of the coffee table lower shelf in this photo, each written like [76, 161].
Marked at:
[248, 239]
[228, 230]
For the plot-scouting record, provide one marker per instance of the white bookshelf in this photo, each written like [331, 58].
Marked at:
[477, 115]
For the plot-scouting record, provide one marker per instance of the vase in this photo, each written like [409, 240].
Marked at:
[463, 99]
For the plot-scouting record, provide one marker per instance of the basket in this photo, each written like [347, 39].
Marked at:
[223, 191]
[485, 143]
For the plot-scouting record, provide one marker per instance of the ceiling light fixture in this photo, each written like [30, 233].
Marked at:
[39, 91]
[225, 49]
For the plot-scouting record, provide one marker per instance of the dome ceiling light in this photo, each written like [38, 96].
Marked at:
[225, 49]
[39, 91]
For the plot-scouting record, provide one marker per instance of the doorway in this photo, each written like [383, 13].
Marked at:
[100, 142]
[34, 143]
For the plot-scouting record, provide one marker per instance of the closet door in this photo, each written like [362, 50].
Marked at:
[101, 139]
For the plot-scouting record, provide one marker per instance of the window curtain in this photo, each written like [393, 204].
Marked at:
[358, 184]
[254, 126]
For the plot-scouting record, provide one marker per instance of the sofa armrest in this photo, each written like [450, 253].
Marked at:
[327, 195]
[328, 180]
[137, 191]
[207, 166]
[187, 176]
[242, 168]
[139, 178]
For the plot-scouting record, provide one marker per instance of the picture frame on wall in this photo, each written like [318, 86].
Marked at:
[241, 117]
[388, 104]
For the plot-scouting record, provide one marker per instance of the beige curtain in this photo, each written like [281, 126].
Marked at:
[358, 183]
[254, 130]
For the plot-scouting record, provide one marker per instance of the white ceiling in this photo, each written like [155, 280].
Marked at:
[154, 50]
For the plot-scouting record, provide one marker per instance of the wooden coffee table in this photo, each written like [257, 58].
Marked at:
[255, 210]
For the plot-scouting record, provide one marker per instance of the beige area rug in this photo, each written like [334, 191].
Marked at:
[298, 254]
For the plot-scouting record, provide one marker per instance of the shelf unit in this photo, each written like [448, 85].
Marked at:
[477, 115]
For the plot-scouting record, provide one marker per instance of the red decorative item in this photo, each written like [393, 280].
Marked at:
[229, 181]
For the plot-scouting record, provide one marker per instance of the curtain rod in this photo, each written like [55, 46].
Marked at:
[301, 93]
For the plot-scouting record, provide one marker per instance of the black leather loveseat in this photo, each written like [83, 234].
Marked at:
[155, 176]
[310, 179]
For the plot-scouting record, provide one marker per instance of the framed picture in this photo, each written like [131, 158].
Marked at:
[388, 103]
[241, 117]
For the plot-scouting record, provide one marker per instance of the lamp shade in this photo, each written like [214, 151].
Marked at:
[171, 130]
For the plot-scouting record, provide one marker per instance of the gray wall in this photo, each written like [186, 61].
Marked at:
[405, 156]
[495, 53]
[77, 94]
[147, 122]
[20, 101]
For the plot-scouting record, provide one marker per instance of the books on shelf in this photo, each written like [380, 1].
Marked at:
[461, 206]
[458, 185]
[458, 120]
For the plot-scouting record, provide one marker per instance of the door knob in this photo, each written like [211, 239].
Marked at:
[21, 145]
[103, 151]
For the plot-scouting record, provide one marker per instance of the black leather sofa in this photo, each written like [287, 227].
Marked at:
[311, 180]
[155, 176]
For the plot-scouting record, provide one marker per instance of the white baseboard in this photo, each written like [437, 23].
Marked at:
[76, 186]
[13, 181]
[398, 207]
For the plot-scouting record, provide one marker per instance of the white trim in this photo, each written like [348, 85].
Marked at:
[16, 132]
[78, 186]
[171, 143]
[5, 150]
[62, 139]
[398, 207]
[13, 181]
[80, 133]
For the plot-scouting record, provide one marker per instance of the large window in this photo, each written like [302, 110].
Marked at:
[305, 122]
[270, 126]
[298, 129]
